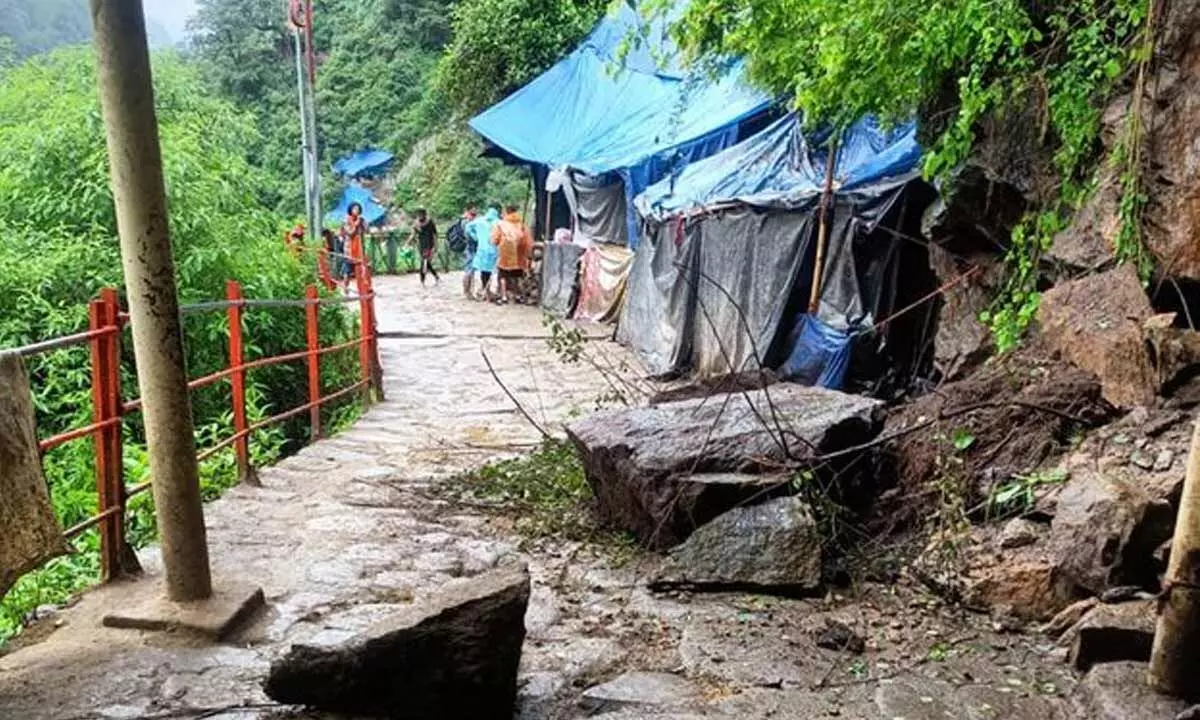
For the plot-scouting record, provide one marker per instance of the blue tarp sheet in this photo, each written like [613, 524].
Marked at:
[593, 114]
[820, 354]
[782, 168]
[364, 163]
[372, 211]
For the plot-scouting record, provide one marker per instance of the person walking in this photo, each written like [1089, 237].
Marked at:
[460, 234]
[485, 252]
[426, 233]
[515, 245]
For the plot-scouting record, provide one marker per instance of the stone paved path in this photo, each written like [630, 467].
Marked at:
[345, 531]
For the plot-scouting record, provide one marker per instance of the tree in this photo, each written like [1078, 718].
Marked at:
[36, 26]
[500, 45]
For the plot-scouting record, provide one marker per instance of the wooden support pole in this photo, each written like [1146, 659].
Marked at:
[312, 314]
[1175, 660]
[135, 161]
[814, 301]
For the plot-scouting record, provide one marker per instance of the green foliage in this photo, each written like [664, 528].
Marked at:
[499, 45]
[36, 26]
[452, 174]
[953, 63]
[1018, 495]
[545, 491]
[58, 248]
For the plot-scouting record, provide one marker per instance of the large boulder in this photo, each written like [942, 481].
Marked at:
[1106, 529]
[775, 545]
[1097, 324]
[640, 462]
[455, 655]
[1119, 691]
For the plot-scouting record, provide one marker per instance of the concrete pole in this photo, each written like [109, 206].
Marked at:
[127, 98]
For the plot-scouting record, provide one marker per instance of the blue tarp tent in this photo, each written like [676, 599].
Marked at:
[782, 168]
[364, 163]
[640, 121]
[722, 280]
[373, 212]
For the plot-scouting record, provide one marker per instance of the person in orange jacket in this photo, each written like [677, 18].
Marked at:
[515, 245]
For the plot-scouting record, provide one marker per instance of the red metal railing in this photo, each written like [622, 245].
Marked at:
[106, 324]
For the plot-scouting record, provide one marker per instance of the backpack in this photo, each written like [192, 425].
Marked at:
[456, 236]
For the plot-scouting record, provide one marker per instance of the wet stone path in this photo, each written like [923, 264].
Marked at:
[347, 530]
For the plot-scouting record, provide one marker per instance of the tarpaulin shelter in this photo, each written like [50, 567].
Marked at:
[366, 163]
[597, 129]
[722, 280]
[373, 212]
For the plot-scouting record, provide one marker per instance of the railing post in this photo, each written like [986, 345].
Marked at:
[363, 284]
[312, 313]
[233, 293]
[111, 528]
[125, 559]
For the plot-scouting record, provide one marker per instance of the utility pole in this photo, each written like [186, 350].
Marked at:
[300, 17]
[127, 99]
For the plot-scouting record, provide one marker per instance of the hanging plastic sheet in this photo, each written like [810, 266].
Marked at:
[659, 310]
[600, 209]
[749, 263]
[602, 281]
[373, 212]
[820, 354]
[560, 278]
[364, 163]
[29, 532]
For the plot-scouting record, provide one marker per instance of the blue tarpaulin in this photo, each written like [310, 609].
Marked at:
[593, 114]
[364, 163]
[782, 168]
[820, 354]
[373, 212]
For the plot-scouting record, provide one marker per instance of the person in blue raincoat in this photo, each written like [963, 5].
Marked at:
[486, 253]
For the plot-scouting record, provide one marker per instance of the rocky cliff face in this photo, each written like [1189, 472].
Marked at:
[1171, 112]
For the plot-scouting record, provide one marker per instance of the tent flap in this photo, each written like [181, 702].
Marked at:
[364, 163]
[781, 168]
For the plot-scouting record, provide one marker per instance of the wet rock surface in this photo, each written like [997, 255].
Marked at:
[638, 460]
[1119, 691]
[1114, 633]
[773, 546]
[455, 654]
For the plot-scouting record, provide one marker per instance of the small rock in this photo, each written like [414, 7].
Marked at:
[1139, 416]
[1162, 424]
[838, 636]
[1142, 460]
[1069, 617]
[1019, 533]
[1120, 439]
[1118, 691]
[1114, 633]
[1164, 460]
[1123, 594]
[639, 689]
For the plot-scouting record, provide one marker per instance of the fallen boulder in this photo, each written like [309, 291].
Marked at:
[454, 655]
[1114, 633]
[1106, 530]
[639, 461]
[775, 545]
[962, 342]
[1096, 323]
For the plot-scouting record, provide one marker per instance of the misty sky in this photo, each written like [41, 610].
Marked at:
[171, 14]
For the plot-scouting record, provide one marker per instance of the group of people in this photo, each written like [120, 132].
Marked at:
[496, 246]
[493, 245]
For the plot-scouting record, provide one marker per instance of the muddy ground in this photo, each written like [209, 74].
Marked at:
[347, 530]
